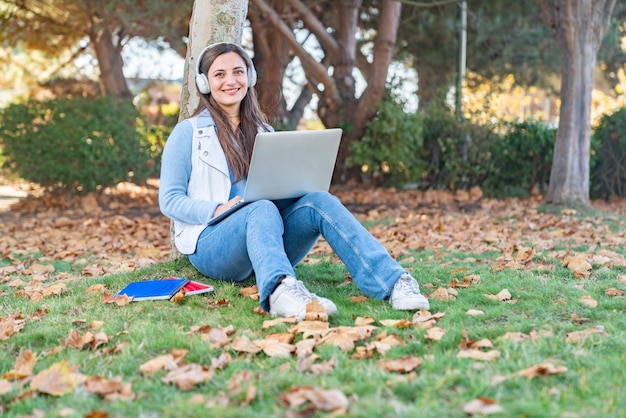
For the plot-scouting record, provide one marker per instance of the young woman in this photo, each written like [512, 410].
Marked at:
[204, 170]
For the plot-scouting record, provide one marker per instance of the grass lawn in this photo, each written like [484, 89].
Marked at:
[528, 319]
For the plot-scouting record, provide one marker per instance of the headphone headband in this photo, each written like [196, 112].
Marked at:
[202, 82]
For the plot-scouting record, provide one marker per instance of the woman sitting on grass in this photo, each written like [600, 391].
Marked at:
[203, 173]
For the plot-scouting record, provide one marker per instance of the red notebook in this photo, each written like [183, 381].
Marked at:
[194, 288]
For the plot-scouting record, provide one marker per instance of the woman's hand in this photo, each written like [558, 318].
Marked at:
[224, 207]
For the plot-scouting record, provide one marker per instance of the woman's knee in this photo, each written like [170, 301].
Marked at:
[265, 207]
[321, 198]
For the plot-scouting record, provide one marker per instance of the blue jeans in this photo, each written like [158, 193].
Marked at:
[262, 239]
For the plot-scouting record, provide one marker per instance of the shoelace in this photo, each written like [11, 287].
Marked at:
[301, 291]
[408, 285]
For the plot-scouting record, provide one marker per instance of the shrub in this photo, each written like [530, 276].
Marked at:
[608, 165]
[522, 159]
[388, 153]
[458, 152]
[80, 144]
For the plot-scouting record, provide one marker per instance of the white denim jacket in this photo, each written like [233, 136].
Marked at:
[208, 184]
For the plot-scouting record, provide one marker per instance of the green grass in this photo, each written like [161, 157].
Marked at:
[592, 386]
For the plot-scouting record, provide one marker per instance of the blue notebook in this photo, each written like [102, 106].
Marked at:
[153, 289]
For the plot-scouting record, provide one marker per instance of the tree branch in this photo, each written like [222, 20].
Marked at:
[312, 68]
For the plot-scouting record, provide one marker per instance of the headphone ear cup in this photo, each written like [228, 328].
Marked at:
[203, 84]
[251, 77]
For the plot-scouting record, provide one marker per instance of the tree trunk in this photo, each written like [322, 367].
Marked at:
[211, 21]
[109, 56]
[578, 26]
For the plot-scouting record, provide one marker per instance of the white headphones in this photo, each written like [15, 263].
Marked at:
[202, 82]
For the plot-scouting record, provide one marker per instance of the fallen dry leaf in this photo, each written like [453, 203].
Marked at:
[24, 365]
[331, 400]
[435, 334]
[11, 324]
[474, 312]
[542, 369]
[613, 292]
[57, 380]
[402, 365]
[589, 301]
[476, 354]
[482, 406]
[580, 336]
[109, 389]
[188, 376]
[275, 348]
[164, 362]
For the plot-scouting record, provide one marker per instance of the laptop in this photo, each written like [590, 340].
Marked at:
[289, 164]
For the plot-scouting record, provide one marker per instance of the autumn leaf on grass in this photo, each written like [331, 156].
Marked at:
[11, 324]
[425, 319]
[515, 336]
[218, 337]
[93, 270]
[613, 292]
[55, 289]
[305, 347]
[98, 288]
[240, 384]
[6, 386]
[58, 380]
[475, 350]
[179, 296]
[189, 375]
[244, 345]
[24, 365]
[402, 365]
[444, 294]
[75, 340]
[364, 320]
[119, 300]
[503, 296]
[222, 361]
[275, 348]
[542, 369]
[474, 312]
[589, 301]
[466, 282]
[397, 323]
[315, 311]
[166, 361]
[251, 292]
[307, 364]
[310, 328]
[578, 263]
[580, 336]
[345, 337]
[109, 389]
[482, 406]
[278, 321]
[435, 334]
[331, 400]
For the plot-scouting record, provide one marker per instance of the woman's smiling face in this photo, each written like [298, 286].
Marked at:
[228, 78]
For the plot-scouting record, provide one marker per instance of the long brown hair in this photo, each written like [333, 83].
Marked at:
[237, 145]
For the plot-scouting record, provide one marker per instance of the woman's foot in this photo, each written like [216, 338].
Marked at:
[406, 295]
[291, 297]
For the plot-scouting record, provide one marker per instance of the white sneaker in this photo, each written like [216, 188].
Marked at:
[406, 295]
[291, 297]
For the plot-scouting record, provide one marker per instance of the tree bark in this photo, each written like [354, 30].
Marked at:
[110, 63]
[211, 21]
[578, 26]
